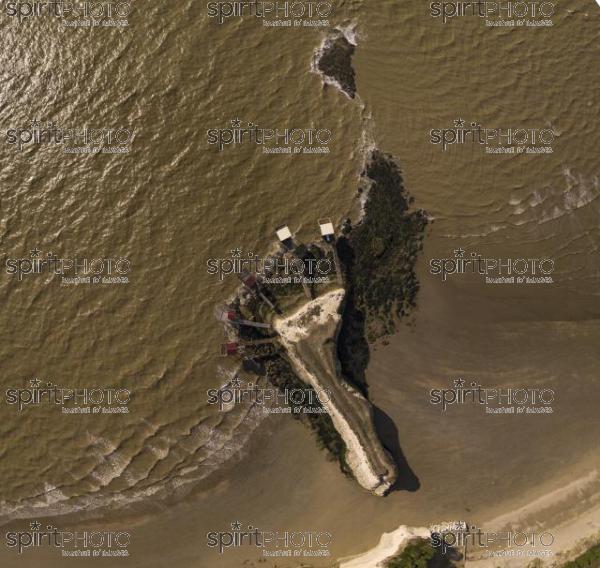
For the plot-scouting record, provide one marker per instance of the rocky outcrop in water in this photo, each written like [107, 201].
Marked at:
[334, 61]
[379, 255]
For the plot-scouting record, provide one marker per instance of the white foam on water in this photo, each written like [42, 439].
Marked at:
[52, 501]
[350, 32]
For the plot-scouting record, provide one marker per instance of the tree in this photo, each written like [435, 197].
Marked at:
[417, 554]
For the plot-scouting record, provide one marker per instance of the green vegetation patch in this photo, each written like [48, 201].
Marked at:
[420, 554]
[379, 255]
[589, 559]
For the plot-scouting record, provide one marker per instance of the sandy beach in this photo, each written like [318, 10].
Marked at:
[570, 514]
[389, 545]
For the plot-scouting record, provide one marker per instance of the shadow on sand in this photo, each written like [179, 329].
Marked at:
[354, 354]
[388, 434]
